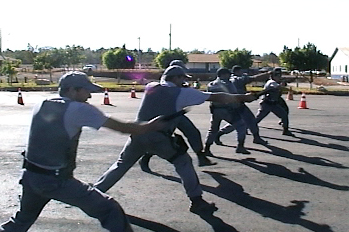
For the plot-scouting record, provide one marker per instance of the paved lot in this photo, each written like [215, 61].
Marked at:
[294, 184]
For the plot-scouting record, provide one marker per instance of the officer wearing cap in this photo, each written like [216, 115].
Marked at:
[271, 102]
[165, 98]
[226, 112]
[240, 81]
[189, 130]
[50, 157]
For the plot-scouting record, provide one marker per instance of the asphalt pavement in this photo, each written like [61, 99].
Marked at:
[293, 184]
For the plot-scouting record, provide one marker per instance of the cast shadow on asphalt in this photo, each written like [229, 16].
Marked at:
[150, 225]
[273, 169]
[314, 142]
[301, 176]
[235, 193]
[218, 225]
[308, 132]
[277, 151]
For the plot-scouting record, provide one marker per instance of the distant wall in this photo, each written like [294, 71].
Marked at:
[145, 74]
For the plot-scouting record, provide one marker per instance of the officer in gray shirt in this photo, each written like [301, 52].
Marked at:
[189, 130]
[50, 157]
[166, 98]
[271, 102]
[226, 112]
[240, 81]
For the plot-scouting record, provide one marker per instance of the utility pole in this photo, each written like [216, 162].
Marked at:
[298, 42]
[170, 37]
[1, 46]
[139, 53]
[0, 42]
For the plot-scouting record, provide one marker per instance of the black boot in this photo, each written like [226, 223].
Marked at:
[144, 162]
[203, 160]
[287, 132]
[207, 151]
[200, 206]
[258, 140]
[241, 149]
[217, 140]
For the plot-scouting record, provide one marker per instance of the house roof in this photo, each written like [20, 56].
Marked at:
[203, 58]
[344, 50]
[6, 58]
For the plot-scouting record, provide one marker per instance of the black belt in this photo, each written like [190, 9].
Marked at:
[62, 173]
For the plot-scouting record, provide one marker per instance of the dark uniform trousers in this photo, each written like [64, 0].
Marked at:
[39, 189]
[275, 107]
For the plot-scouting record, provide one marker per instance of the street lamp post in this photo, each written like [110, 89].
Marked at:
[139, 53]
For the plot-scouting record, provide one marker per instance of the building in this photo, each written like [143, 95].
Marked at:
[339, 64]
[203, 63]
[209, 63]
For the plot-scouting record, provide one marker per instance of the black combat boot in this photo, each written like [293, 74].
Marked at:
[217, 140]
[287, 132]
[241, 149]
[144, 162]
[203, 160]
[207, 150]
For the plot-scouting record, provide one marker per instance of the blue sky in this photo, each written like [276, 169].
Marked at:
[259, 26]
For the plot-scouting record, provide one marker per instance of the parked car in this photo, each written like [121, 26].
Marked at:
[295, 72]
[265, 69]
[285, 71]
[89, 68]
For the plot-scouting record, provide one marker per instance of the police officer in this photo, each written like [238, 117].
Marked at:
[226, 112]
[189, 130]
[240, 81]
[166, 98]
[271, 102]
[49, 159]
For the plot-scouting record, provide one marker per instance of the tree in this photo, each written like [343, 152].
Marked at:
[8, 68]
[119, 59]
[73, 55]
[307, 58]
[196, 51]
[271, 58]
[49, 59]
[230, 58]
[164, 58]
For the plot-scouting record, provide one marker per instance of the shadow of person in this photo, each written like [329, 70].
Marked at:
[234, 192]
[277, 151]
[278, 170]
[150, 225]
[315, 133]
[217, 224]
[310, 142]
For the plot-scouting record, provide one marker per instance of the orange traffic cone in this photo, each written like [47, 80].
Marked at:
[20, 98]
[303, 102]
[106, 97]
[133, 92]
[290, 94]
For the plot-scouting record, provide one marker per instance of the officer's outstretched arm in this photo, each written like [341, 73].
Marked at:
[227, 98]
[134, 128]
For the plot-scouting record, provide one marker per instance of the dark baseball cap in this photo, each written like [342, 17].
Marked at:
[77, 79]
[175, 70]
[235, 68]
[179, 63]
[222, 71]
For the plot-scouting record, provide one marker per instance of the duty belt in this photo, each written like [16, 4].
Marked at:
[63, 173]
